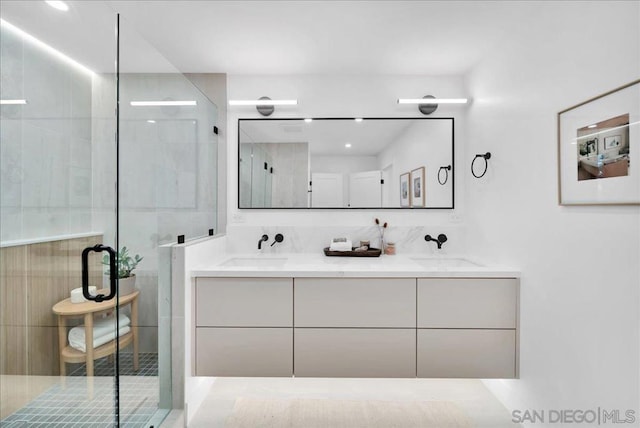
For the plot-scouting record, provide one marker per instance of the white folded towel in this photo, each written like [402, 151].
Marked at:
[103, 332]
[79, 342]
[341, 244]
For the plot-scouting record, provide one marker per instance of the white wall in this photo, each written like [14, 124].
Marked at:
[580, 265]
[338, 96]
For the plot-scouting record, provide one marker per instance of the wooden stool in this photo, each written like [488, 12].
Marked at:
[65, 309]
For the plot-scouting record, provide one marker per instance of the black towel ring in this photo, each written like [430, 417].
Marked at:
[486, 158]
[446, 174]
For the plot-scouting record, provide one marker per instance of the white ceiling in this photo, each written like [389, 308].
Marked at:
[277, 37]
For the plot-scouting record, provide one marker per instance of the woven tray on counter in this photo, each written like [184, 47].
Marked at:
[371, 252]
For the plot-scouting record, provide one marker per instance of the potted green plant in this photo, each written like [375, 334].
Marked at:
[125, 265]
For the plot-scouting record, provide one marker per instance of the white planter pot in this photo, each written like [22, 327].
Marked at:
[126, 285]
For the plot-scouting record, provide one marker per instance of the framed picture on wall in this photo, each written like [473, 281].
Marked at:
[417, 187]
[611, 142]
[596, 141]
[405, 191]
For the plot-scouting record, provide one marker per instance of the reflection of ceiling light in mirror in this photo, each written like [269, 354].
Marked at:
[592, 126]
[308, 120]
[42, 45]
[57, 4]
[358, 119]
[151, 121]
[12, 102]
[263, 102]
[432, 100]
[162, 103]
[348, 145]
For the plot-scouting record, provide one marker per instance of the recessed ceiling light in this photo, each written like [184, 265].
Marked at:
[162, 103]
[151, 121]
[263, 102]
[432, 100]
[348, 145]
[308, 120]
[12, 102]
[44, 46]
[358, 119]
[57, 4]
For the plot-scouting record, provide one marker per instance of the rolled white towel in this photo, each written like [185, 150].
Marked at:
[78, 297]
[104, 327]
[341, 244]
[77, 340]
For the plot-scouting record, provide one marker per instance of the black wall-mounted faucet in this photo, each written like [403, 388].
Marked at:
[264, 238]
[279, 238]
[442, 238]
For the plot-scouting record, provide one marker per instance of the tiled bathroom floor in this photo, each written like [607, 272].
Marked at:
[77, 401]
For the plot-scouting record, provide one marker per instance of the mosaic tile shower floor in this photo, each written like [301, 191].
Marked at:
[68, 404]
[148, 366]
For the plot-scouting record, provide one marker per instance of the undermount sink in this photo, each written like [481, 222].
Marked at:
[258, 262]
[432, 262]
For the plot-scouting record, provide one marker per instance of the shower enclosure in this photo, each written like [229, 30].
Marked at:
[104, 145]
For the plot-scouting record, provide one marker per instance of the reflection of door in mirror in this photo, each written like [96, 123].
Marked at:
[327, 190]
[365, 189]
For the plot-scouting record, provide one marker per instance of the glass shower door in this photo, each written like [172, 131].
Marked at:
[167, 182]
[61, 329]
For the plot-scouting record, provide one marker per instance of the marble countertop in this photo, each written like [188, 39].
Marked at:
[319, 265]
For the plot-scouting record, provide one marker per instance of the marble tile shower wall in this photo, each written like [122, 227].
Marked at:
[301, 239]
[45, 145]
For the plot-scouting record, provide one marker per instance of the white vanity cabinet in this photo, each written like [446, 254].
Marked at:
[435, 327]
[467, 327]
[244, 326]
[355, 327]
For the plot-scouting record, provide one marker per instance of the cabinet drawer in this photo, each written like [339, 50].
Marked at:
[244, 302]
[244, 351]
[461, 353]
[355, 302]
[467, 303]
[343, 352]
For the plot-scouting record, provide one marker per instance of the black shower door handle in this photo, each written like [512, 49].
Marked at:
[113, 271]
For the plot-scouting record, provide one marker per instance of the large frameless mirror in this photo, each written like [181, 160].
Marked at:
[346, 163]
